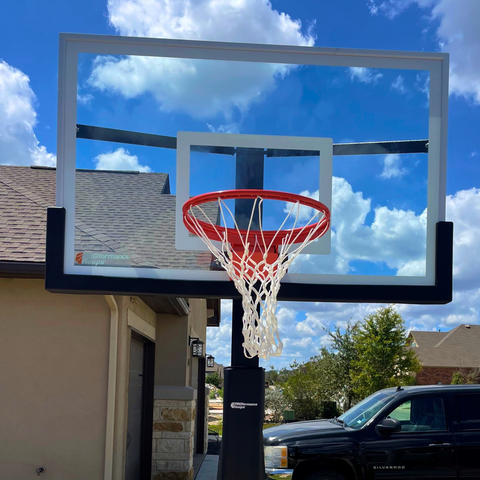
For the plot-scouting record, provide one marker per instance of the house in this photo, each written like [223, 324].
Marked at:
[444, 353]
[97, 386]
[214, 367]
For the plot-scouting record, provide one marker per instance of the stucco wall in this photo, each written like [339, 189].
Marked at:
[172, 365]
[172, 345]
[198, 317]
[53, 374]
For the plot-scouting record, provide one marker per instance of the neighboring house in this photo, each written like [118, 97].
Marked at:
[216, 367]
[91, 384]
[444, 353]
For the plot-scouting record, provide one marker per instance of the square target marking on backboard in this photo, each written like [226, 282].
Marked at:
[211, 142]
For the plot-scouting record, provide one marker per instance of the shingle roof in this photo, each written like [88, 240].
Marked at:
[428, 339]
[127, 212]
[459, 347]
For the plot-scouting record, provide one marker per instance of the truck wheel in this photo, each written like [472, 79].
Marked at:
[325, 475]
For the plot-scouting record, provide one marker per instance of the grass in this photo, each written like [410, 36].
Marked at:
[219, 428]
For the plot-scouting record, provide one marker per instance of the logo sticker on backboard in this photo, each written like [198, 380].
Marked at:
[102, 259]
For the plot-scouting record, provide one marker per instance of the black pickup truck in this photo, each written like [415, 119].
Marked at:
[423, 432]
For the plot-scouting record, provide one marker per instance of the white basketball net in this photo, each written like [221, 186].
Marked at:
[258, 281]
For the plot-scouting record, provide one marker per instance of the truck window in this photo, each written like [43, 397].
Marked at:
[422, 414]
[469, 408]
[362, 412]
[403, 412]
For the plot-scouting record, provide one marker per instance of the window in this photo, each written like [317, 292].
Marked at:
[414, 344]
[422, 414]
[362, 412]
[403, 412]
[469, 408]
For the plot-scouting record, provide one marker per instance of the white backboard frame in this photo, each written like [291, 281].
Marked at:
[437, 64]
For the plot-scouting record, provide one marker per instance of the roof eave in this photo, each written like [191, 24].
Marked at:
[10, 269]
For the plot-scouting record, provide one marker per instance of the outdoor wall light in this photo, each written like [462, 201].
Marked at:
[197, 346]
[210, 361]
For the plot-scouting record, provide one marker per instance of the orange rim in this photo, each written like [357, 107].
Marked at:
[272, 237]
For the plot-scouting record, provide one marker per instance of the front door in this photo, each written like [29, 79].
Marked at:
[423, 449]
[135, 410]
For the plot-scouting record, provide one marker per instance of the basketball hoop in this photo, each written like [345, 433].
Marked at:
[254, 259]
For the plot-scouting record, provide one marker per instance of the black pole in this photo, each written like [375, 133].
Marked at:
[248, 174]
[200, 437]
[238, 358]
[241, 454]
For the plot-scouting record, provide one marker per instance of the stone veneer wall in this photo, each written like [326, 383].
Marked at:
[173, 430]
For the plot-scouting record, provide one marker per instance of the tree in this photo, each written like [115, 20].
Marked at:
[213, 379]
[271, 375]
[324, 378]
[383, 357]
[338, 364]
[304, 390]
[277, 377]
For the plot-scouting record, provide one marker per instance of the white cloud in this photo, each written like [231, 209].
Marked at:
[224, 128]
[333, 263]
[463, 209]
[457, 33]
[119, 159]
[364, 75]
[219, 341]
[396, 237]
[422, 84]
[392, 8]
[412, 268]
[302, 212]
[399, 85]
[202, 89]
[313, 325]
[84, 99]
[18, 143]
[392, 167]
[373, 7]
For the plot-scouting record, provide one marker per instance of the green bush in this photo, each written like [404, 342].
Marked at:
[220, 392]
[473, 376]
[213, 379]
[211, 395]
[457, 378]
[276, 403]
[460, 378]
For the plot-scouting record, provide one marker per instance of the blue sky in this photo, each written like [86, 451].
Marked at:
[347, 105]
